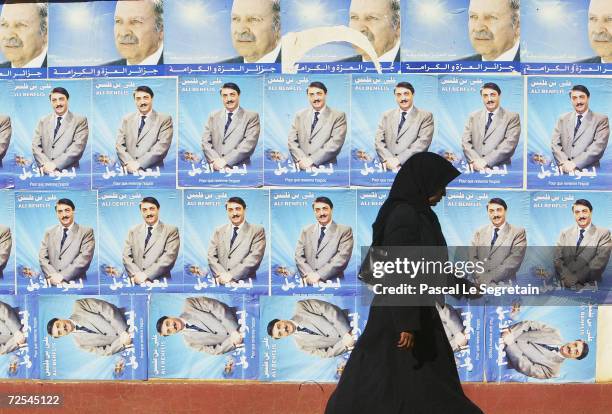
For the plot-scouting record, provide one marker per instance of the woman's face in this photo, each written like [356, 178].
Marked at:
[436, 197]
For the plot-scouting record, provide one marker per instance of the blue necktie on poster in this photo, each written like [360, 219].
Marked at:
[489, 120]
[234, 235]
[321, 236]
[141, 126]
[149, 231]
[578, 123]
[57, 126]
[314, 121]
[401, 124]
[228, 122]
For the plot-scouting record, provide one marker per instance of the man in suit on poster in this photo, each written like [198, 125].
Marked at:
[581, 136]
[6, 242]
[236, 249]
[60, 138]
[380, 22]
[256, 31]
[323, 249]
[404, 131]
[95, 325]
[583, 250]
[537, 350]
[67, 248]
[319, 328]
[600, 31]
[139, 32]
[24, 34]
[317, 133]
[5, 136]
[151, 248]
[491, 134]
[11, 336]
[230, 134]
[495, 29]
[145, 136]
[206, 324]
[500, 246]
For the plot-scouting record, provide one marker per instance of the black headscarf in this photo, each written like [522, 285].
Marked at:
[423, 175]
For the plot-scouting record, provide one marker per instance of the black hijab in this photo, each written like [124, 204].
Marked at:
[423, 175]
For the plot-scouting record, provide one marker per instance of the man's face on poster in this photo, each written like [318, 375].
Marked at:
[582, 215]
[600, 28]
[404, 98]
[254, 31]
[235, 213]
[59, 102]
[490, 99]
[316, 97]
[492, 27]
[22, 33]
[65, 214]
[143, 101]
[580, 101]
[375, 19]
[137, 31]
[497, 214]
[231, 99]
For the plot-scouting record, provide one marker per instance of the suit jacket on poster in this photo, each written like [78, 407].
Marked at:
[587, 262]
[244, 257]
[74, 257]
[331, 257]
[153, 144]
[238, 143]
[478, 57]
[453, 324]
[527, 352]
[9, 326]
[215, 322]
[158, 257]
[6, 241]
[105, 320]
[415, 136]
[324, 143]
[327, 321]
[123, 62]
[5, 136]
[499, 143]
[68, 145]
[7, 64]
[588, 146]
[502, 260]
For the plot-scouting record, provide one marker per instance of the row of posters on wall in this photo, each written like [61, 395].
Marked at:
[263, 241]
[153, 37]
[303, 131]
[296, 338]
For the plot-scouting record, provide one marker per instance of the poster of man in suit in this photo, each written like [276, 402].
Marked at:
[58, 231]
[87, 337]
[220, 146]
[133, 133]
[51, 134]
[307, 337]
[211, 336]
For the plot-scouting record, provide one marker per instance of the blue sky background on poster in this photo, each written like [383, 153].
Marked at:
[197, 103]
[116, 219]
[170, 357]
[549, 26]
[72, 42]
[190, 22]
[34, 214]
[200, 224]
[307, 14]
[435, 30]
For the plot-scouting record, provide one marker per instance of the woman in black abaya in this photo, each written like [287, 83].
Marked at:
[403, 362]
